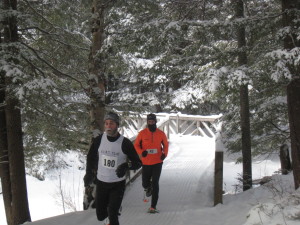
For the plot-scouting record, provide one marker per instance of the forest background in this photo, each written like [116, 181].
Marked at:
[65, 63]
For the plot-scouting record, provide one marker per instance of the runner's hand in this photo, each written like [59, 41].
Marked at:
[144, 153]
[121, 170]
[88, 179]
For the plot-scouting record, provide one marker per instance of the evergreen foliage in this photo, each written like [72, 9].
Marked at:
[160, 56]
[53, 51]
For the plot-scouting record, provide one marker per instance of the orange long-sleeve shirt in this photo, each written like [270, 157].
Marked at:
[155, 143]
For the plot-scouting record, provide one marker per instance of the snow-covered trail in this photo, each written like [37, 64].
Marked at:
[180, 184]
[185, 184]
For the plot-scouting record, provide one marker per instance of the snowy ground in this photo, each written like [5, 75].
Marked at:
[186, 193]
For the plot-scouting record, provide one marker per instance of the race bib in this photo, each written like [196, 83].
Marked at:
[109, 162]
[152, 151]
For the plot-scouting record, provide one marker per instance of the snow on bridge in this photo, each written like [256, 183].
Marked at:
[186, 184]
[182, 124]
[186, 187]
[187, 179]
[205, 126]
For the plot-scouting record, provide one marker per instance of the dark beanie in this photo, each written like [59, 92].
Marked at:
[112, 116]
[151, 116]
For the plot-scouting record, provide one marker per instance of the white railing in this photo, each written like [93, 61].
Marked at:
[205, 126]
[171, 124]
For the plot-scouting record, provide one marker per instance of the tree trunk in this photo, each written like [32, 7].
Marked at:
[244, 104]
[19, 207]
[97, 80]
[293, 99]
[285, 160]
[290, 41]
[19, 204]
[96, 66]
[4, 166]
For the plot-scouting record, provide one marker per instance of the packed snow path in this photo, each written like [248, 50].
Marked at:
[185, 184]
[179, 185]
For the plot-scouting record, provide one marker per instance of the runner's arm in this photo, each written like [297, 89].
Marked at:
[92, 157]
[129, 150]
[165, 144]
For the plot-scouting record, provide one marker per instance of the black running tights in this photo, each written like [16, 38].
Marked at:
[109, 197]
[151, 174]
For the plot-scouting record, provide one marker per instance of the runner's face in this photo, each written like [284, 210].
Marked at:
[150, 122]
[111, 127]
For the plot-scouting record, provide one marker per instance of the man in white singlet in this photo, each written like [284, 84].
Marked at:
[107, 158]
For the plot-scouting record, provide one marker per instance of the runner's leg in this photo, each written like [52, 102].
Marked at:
[146, 176]
[156, 171]
[115, 200]
[101, 200]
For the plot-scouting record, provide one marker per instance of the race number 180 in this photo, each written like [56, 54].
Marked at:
[109, 162]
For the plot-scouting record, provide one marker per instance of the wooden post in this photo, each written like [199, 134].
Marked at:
[177, 127]
[218, 189]
[218, 178]
[168, 128]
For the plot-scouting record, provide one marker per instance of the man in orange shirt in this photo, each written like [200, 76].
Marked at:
[152, 146]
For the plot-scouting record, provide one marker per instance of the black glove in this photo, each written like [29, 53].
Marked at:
[88, 179]
[144, 153]
[121, 170]
[163, 156]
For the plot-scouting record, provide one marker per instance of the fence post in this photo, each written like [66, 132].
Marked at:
[218, 176]
[177, 122]
[168, 129]
[198, 125]
[218, 193]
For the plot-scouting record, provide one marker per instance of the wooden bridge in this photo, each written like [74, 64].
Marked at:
[183, 124]
[205, 126]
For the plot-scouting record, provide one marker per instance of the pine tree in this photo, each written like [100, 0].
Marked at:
[244, 103]
[291, 14]
[14, 183]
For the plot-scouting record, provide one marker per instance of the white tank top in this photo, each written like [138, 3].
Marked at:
[110, 157]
